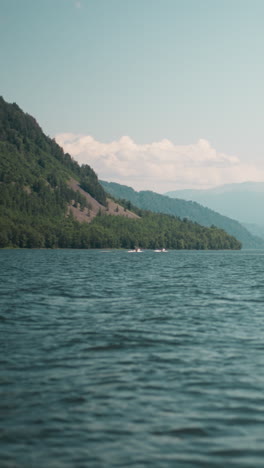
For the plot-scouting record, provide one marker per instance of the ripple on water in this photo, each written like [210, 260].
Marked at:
[117, 360]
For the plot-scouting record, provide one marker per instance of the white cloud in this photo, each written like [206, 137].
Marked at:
[159, 166]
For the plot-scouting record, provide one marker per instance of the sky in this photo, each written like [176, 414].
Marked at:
[154, 94]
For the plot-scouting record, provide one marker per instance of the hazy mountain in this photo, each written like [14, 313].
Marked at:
[243, 202]
[184, 209]
[255, 229]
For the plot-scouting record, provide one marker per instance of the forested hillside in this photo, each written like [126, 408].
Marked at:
[241, 201]
[193, 211]
[42, 190]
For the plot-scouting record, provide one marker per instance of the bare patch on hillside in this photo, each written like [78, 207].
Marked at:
[94, 207]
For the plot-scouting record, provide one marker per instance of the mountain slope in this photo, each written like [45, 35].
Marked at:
[184, 209]
[28, 155]
[243, 202]
[47, 200]
[42, 190]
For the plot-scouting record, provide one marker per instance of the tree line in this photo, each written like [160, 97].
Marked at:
[35, 200]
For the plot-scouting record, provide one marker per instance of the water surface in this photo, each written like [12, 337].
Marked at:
[111, 359]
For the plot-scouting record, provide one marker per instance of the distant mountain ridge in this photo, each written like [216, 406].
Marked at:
[243, 202]
[194, 211]
[235, 187]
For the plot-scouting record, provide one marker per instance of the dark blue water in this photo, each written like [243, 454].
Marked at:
[111, 359]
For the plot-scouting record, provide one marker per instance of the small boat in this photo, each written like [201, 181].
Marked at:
[135, 250]
[160, 250]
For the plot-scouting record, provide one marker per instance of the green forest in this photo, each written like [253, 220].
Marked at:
[35, 197]
[193, 211]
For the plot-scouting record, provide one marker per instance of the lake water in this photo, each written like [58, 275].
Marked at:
[113, 359]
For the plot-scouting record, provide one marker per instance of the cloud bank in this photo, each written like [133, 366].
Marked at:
[159, 166]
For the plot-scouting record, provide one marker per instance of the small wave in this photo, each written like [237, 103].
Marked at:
[183, 432]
